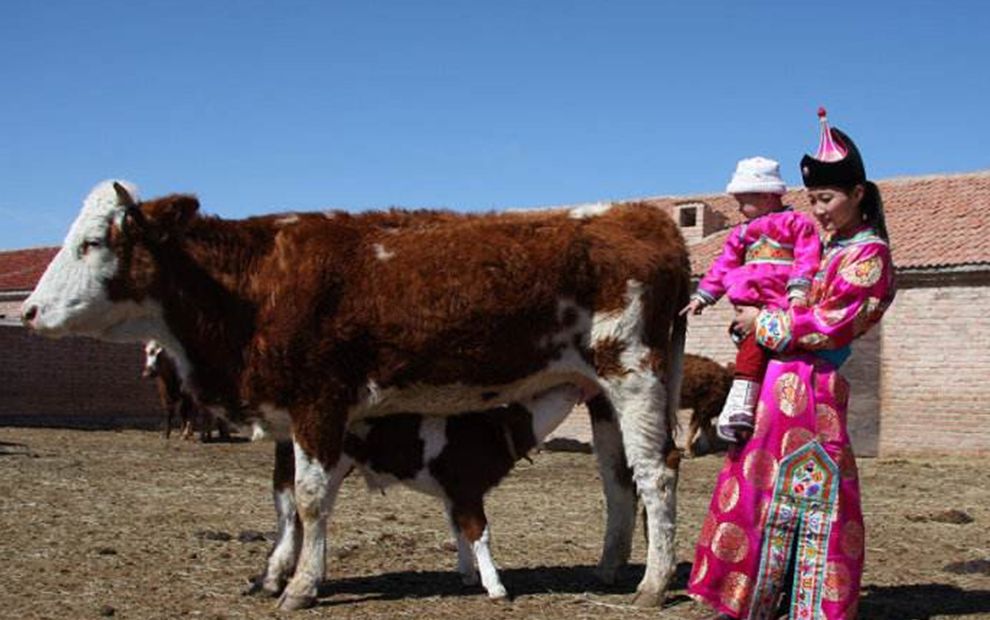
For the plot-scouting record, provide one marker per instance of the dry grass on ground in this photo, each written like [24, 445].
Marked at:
[101, 523]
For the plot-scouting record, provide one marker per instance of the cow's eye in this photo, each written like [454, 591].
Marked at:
[88, 245]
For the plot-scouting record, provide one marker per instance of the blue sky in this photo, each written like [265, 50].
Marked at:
[272, 106]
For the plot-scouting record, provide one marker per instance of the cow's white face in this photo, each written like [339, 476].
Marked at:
[152, 352]
[72, 296]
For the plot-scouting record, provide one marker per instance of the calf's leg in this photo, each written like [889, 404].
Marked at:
[185, 418]
[169, 415]
[465, 556]
[469, 518]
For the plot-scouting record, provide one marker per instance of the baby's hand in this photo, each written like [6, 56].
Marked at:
[695, 306]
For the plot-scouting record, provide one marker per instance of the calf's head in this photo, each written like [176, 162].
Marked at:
[152, 355]
[105, 280]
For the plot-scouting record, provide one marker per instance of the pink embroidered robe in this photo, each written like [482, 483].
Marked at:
[763, 259]
[791, 492]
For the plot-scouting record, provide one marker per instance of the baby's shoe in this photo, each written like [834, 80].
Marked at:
[738, 411]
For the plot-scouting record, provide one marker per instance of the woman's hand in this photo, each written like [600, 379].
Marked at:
[745, 319]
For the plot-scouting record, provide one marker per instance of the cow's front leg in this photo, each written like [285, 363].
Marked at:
[316, 487]
[282, 558]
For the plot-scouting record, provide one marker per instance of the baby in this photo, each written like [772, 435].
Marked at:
[767, 261]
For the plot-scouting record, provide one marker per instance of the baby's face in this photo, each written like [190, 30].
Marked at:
[753, 205]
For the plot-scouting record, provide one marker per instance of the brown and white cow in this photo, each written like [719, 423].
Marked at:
[312, 321]
[455, 458]
[176, 400]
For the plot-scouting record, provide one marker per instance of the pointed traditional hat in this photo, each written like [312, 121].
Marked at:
[837, 161]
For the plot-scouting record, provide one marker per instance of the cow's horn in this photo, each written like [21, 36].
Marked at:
[123, 196]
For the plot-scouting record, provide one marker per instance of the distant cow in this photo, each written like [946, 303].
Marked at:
[176, 401]
[313, 321]
[705, 385]
[456, 458]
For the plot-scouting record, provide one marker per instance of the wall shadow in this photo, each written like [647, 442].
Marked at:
[921, 601]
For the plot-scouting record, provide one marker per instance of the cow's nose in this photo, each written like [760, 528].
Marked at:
[28, 316]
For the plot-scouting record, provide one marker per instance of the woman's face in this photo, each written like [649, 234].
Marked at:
[837, 209]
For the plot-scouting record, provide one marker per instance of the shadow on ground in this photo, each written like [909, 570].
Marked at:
[907, 602]
[921, 601]
[518, 581]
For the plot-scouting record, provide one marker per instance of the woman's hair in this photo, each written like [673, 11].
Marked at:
[872, 209]
[871, 206]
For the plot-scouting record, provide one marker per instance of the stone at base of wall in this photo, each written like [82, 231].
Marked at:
[567, 444]
[88, 423]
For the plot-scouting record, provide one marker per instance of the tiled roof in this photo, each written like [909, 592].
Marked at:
[934, 221]
[20, 270]
[937, 221]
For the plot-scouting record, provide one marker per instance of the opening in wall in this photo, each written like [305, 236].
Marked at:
[687, 217]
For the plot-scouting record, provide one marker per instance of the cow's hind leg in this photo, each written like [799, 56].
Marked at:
[316, 487]
[620, 493]
[640, 400]
[469, 518]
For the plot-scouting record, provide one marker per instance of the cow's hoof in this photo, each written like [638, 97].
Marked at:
[470, 579]
[253, 588]
[257, 586]
[646, 598]
[498, 595]
[607, 574]
[291, 602]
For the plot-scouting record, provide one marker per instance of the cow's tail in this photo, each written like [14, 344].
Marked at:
[676, 342]
[675, 369]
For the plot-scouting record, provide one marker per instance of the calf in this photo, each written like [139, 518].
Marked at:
[457, 459]
[313, 321]
[705, 385]
[176, 401]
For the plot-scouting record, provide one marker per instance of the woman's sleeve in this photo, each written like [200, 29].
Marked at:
[852, 302]
[712, 286]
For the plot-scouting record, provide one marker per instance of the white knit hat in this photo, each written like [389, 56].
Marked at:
[757, 175]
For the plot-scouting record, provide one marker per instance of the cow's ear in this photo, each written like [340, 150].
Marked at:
[131, 222]
[168, 217]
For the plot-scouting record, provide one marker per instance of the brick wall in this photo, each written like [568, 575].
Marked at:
[75, 382]
[10, 310]
[936, 371]
[708, 334]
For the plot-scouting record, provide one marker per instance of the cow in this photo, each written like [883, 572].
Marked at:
[311, 321]
[704, 387]
[176, 401]
[455, 458]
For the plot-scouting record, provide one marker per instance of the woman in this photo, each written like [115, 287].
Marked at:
[785, 517]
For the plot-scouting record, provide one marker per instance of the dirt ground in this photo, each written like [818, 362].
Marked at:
[128, 525]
